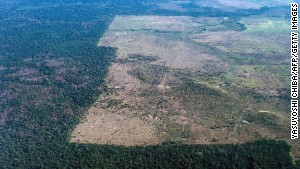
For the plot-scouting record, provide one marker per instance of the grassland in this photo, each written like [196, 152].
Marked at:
[232, 5]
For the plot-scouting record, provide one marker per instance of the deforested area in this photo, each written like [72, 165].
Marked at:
[145, 84]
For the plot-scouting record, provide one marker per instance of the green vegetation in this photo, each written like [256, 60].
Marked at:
[138, 57]
[267, 25]
[151, 74]
[264, 118]
[52, 71]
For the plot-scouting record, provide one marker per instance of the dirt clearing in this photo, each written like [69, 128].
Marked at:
[104, 127]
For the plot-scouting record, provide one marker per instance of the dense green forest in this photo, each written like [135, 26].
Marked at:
[51, 71]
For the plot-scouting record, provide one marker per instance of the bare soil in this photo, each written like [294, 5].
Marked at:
[103, 127]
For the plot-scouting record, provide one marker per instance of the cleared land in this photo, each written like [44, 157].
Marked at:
[104, 127]
[174, 5]
[242, 4]
[190, 80]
